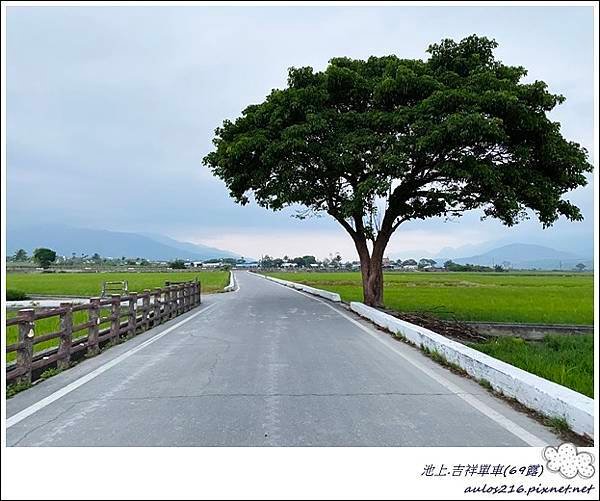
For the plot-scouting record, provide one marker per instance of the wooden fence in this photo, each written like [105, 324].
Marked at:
[127, 318]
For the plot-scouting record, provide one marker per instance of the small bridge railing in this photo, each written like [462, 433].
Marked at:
[115, 287]
[105, 321]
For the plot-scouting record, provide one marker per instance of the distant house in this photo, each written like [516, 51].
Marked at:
[247, 265]
[315, 265]
[410, 267]
[289, 265]
[436, 268]
[212, 265]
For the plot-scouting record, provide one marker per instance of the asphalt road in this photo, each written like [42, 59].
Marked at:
[264, 366]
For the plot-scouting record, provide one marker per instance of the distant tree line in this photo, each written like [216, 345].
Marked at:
[452, 266]
[45, 257]
[42, 256]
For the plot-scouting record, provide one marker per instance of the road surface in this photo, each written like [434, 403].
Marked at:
[264, 366]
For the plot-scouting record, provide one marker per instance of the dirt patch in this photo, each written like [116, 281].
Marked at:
[453, 329]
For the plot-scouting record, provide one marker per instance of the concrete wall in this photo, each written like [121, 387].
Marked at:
[536, 393]
[332, 296]
[231, 286]
[531, 332]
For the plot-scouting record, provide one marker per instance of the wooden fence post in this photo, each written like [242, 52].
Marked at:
[180, 302]
[186, 297]
[94, 320]
[175, 298]
[157, 294]
[115, 312]
[132, 314]
[173, 301]
[66, 336]
[166, 304]
[146, 310]
[25, 351]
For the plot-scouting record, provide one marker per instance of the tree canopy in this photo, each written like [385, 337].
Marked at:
[380, 142]
[21, 255]
[44, 257]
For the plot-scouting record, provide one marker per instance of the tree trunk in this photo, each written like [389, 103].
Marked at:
[372, 276]
[371, 267]
[371, 264]
[373, 283]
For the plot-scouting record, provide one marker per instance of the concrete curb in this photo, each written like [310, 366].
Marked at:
[232, 285]
[50, 303]
[332, 296]
[43, 303]
[534, 392]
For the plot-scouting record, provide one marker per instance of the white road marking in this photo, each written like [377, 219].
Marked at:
[32, 409]
[486, 410]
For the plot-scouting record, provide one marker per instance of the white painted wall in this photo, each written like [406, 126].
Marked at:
[534, 392]
[231, 286]
[332, 296]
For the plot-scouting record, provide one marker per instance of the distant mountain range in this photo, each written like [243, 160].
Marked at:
[524, 256]
[65, 240]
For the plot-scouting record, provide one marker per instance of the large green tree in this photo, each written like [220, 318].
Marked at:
[380, 142]
[44, 257]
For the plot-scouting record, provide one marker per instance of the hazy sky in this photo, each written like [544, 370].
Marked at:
[111, 109]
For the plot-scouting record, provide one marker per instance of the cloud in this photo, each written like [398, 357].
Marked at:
[109, 132]
[297, 239]
[568, 462]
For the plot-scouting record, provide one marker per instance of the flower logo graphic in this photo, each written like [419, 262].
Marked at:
[568, 462]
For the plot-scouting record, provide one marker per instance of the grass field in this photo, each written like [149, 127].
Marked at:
[547, 298]
[566, 360]
[90, 284]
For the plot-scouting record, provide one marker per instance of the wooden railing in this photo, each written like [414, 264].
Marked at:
[126, 319]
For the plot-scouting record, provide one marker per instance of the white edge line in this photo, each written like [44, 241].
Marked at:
[53, 397]
[485, 409]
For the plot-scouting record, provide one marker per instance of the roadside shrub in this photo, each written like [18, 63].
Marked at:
[15, 295]
[13, 389]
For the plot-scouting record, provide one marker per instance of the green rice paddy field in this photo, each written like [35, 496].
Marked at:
[545, 298]
[90, 284]
[502, 297]
[566, 360]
